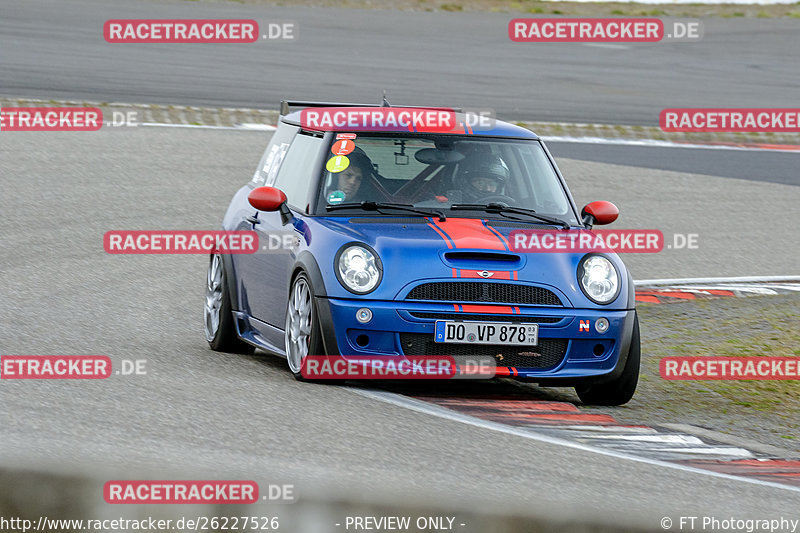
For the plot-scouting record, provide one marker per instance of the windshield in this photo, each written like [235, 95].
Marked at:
[441, 171]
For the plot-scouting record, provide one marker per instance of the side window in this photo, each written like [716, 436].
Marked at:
[273, 156]
[298, 170]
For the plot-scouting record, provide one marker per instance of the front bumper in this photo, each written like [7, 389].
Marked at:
[570, 348]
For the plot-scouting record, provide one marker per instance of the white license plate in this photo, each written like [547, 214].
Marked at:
[486, 333]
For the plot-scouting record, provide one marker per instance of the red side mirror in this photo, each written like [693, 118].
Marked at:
[266, 198]
[599, 213]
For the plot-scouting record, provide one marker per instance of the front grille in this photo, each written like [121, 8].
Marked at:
[548, 354]
[472, 291]
[488, 318]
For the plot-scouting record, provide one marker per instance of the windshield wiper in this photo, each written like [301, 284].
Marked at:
[502, 209]
[377, 206]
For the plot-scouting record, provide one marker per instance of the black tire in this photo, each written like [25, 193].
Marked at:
[620, 390]
[225, 339]
[314, 340]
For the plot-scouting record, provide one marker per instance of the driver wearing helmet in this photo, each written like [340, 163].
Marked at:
[482, 176]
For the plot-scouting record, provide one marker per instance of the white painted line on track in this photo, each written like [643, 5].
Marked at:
[703, 289]
[739, 453]
[240, 127]
[661, 439]
[691, 281]
[661, 144]
[442, 412]
[636, 430]
[732, 288]
[253, 126]
[190, 126]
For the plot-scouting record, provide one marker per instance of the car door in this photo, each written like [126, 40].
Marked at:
[247, 272]
[267, 283]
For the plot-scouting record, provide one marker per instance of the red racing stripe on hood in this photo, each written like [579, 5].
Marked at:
[468, 233]
[447, 239]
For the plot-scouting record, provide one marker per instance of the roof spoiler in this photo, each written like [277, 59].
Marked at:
[286, 105]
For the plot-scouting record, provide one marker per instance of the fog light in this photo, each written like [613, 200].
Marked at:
[601, 325]
[363, 315]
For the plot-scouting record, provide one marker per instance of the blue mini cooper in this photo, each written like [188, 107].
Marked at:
[396, 243]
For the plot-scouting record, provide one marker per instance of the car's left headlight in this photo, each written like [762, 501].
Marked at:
[358, 268]
[598, 278]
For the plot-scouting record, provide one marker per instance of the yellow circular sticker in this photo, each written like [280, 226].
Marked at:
[337, 163]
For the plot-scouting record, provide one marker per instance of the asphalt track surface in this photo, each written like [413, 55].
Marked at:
[227, 416]
[752, 165]
[56, 50]
[202, 414]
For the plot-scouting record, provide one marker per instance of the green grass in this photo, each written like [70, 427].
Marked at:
[767, 330]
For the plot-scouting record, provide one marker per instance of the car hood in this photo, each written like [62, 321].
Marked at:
[416, 249]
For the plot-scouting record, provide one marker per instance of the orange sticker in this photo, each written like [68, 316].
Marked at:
[343, 147]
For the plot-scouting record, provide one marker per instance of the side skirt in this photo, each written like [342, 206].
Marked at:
[259, 334]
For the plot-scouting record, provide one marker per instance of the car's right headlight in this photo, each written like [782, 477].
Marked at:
[358, 268]
[598, 278]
